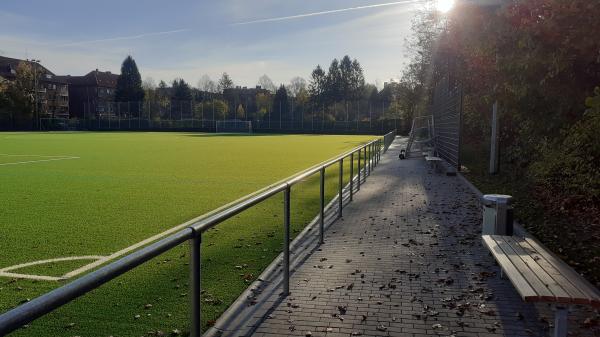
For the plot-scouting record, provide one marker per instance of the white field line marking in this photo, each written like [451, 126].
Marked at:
[124, 251]
[59, 259]
[30, 155]
[31, 277]
[103, 259]
[6, 271]
[38, 161]
[158, 236]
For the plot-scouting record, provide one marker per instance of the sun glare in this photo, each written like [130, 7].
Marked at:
[444, 5]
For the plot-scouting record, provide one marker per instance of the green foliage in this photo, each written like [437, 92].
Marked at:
[240, 113]
[225, 82]
[280, 103]
[17, 98]
[539, 60]
[221, 108]
[181, 91]
[570, 170]
[129, 84]
[343, 81]
[263, 104]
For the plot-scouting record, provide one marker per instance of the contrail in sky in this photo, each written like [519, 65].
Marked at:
[282, 18]
[305, 15]
[130, 37]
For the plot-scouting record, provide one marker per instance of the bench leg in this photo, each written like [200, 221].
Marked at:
[502, 274]
[560, 322]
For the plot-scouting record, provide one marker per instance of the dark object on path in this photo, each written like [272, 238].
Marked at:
[402, 154]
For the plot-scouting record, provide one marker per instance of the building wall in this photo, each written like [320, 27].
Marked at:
[88, 101]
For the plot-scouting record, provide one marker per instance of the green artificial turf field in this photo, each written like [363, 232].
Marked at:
[82, 194]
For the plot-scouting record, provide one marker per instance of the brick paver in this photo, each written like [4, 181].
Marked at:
[405, 260]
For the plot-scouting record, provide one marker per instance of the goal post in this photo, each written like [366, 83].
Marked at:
[54, 124]
[233, 126]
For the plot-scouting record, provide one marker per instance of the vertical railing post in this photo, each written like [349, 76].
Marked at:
[375, 153]
[341, 188]
[358, 175]
[351, 175]
[370, 146]
[365, 163]
[195, 285]
[286, 241]
[322, 213]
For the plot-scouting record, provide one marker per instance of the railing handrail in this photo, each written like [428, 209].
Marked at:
[50, 301]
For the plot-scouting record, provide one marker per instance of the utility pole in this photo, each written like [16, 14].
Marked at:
[494, 140]
[36, 116]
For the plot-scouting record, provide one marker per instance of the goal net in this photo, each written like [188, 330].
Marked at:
[236, 126]
[54, 124]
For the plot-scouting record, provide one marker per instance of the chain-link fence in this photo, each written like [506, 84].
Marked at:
[342, 117]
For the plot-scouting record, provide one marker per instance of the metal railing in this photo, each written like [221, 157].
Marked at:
[44, 304]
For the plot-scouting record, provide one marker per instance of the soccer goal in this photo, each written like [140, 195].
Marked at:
[234, 125]
[54, 124]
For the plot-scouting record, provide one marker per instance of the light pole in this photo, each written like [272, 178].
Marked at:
[35, 92]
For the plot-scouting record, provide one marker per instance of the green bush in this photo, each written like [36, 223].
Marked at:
[571, 169]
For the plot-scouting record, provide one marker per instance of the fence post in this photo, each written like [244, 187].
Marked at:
[374, 153]
[341, 188]
[286, 239]
[358, 175]
[195, 285]
[365, 162]
[369, 157]
[351, 175]
[376, 146]
[322, 211]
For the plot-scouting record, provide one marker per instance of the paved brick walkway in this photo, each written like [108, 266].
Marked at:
[405, 260]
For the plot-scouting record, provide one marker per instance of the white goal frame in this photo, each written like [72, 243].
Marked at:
[233, 125]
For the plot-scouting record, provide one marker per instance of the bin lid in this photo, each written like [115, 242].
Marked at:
[492, 199]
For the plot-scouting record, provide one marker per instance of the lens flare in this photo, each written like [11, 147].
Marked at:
[444, 5]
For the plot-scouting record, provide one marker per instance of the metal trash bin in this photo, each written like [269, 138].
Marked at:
[497, 214]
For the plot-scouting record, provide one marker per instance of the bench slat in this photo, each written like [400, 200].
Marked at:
[559, 293]
[538, 286]
[523, 288]
[568, 272]
[577, 296]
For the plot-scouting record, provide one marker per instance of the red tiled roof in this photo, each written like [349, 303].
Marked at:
[93, 78]
[9, 64]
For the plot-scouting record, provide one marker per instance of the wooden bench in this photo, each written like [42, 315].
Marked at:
[539, 276]
[435, 162]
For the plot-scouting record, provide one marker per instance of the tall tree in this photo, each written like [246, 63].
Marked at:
[129, 84]
[357, 80]
[181, 90]
[19, 97]
[205, 83]
[281, 102]
[333, 82]
[225, 82]
[263, 102]
[297, 84]
[266, 83]
[317, 84]
[346, 76]
[148, 84]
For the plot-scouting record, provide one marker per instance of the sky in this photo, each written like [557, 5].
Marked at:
[186, 39]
